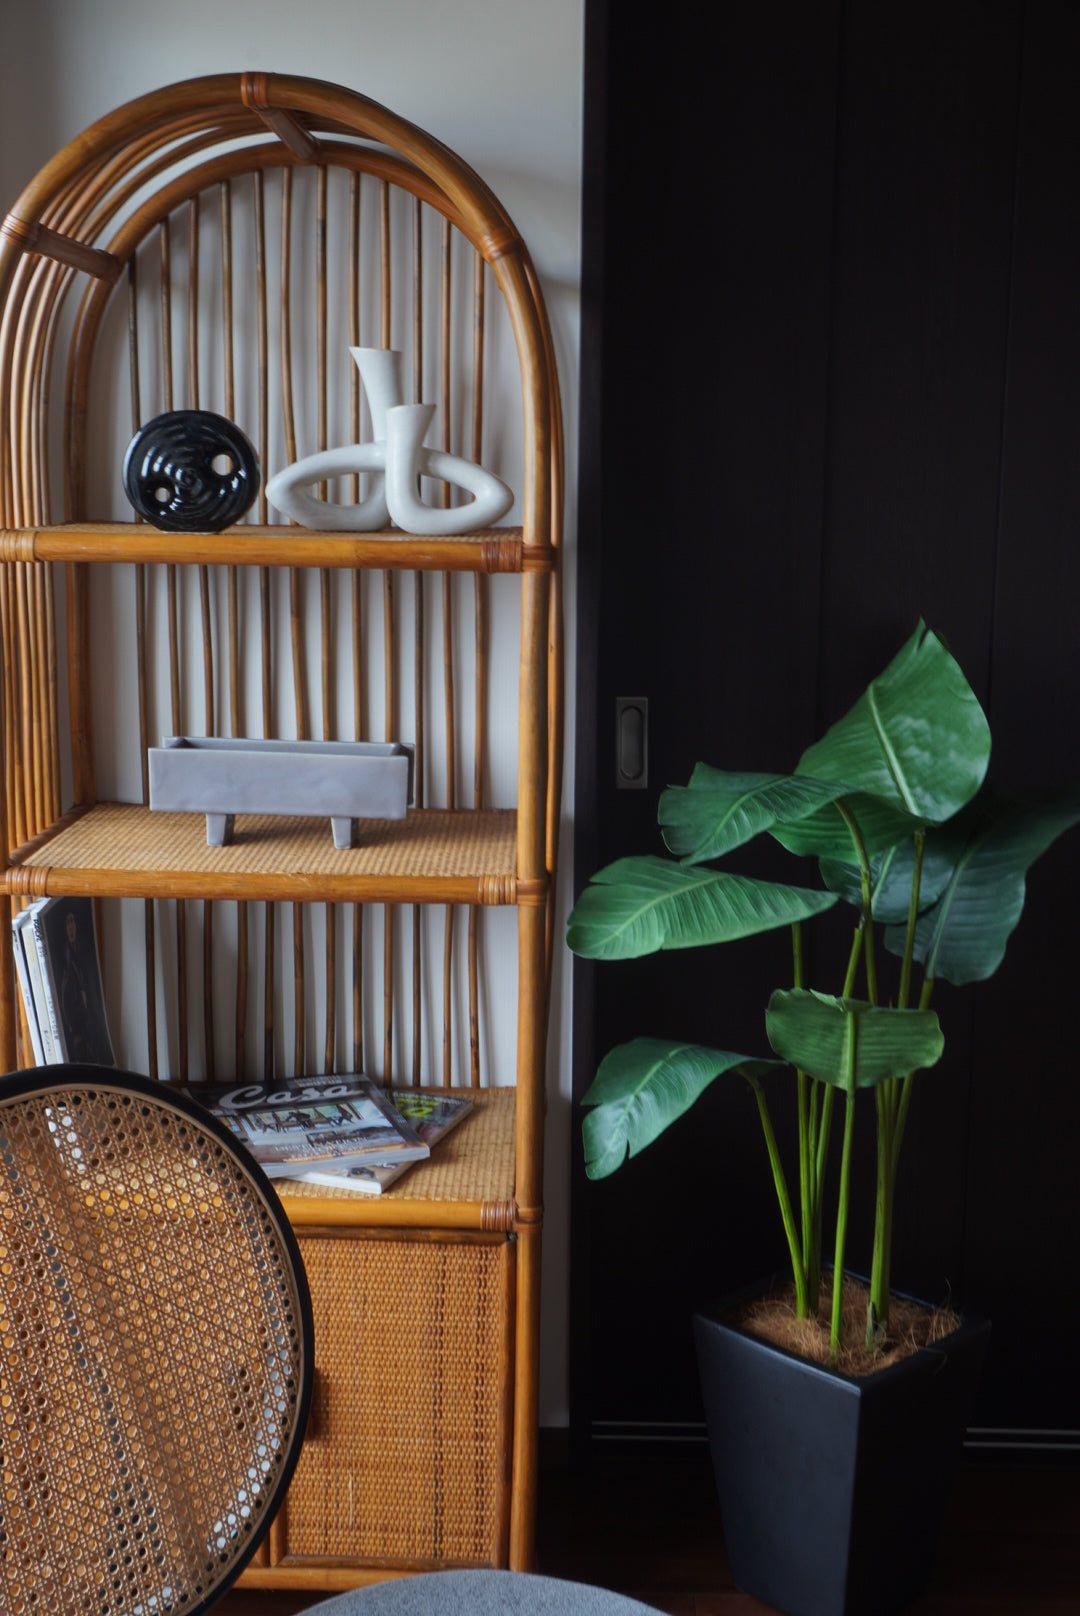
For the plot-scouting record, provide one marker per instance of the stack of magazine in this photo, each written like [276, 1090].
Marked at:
[431, 1112]
[342, 1130]
[56, 962]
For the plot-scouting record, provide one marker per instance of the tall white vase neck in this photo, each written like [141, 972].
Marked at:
[380, 374]
[397, 458]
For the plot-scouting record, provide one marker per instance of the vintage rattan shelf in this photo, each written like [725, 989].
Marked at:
[118, 849]
[258, 545]
[221, 244]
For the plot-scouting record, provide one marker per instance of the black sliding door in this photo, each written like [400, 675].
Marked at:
[831, 383]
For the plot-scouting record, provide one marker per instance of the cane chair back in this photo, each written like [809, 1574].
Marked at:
[155, 1348]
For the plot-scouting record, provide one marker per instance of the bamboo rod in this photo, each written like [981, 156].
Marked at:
[448, 650]
[357, 601]
[418, 636]
[37, 417]
[236, 724]
[149, 938]
[207, 629]
[388, 640]
[296, 612]
[26, 686]
[193, 302]
[480, 620]
[12, 797]
[149, 943]
[325, 602]
[265, 622]
[33, 655]
[251, 544]
[166, 315]
[174, 637]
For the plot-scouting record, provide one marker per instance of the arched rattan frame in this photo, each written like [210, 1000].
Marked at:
[76, 230]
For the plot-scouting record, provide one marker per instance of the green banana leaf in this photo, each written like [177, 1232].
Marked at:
[838, 1040]
[825, 834]
[640, 905]
[916, 736]
[719, 810]
[641, 1088]
[892, 874]
[989, 848]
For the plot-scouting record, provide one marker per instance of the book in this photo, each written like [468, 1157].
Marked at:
[26, 988]
[71, 1009]
[308, 1123]
[432, 1112]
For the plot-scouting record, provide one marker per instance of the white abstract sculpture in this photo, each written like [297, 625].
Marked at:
[397, 457]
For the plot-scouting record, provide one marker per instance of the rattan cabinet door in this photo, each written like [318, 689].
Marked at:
[407, 1460]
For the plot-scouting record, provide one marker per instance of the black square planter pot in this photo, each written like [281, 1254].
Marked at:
[832, 1489]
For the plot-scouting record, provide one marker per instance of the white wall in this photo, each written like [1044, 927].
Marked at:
[500, 81]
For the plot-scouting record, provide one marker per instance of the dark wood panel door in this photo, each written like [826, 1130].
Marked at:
[709, 476]
[832, 310]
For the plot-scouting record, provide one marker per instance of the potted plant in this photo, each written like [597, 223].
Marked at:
[894, 805]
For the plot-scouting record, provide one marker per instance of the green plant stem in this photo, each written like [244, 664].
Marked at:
[880, 1263]
[853, 963]
[813, 1264]
[805, 1196]
[784, 1199]
[893, 1099]
[867, 919]
[836, 1336]
[905, 1092]
[819, 1160]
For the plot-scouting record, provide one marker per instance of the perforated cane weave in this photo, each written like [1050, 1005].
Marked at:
[407, 1463]
[155, 1346]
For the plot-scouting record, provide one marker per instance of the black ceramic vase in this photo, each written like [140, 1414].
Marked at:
[191, 471]
[832, 1489]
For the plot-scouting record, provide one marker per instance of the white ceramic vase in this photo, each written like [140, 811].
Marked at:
[397, 458]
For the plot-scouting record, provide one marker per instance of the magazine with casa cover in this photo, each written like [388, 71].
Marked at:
[432, 1113]
[303, 1123]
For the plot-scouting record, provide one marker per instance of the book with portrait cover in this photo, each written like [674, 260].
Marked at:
[304, 1123]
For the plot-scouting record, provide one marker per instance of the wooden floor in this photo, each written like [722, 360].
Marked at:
[648, 1525]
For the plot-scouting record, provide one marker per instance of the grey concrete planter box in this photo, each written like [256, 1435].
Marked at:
[345, 780]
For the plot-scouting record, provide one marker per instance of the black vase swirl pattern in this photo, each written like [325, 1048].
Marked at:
[191, 471]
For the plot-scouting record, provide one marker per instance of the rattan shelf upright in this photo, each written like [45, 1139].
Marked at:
[218, 245]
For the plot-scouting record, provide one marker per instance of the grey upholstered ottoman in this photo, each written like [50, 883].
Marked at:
[480, 1593]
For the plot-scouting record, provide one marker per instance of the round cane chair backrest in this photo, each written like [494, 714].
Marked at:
[155, 1348]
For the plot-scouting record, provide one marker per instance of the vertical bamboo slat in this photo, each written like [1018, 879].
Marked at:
[236, 722]
[265, 624]
[480, 620]
[149, 939]
[174, 639]
[357, 601]
[418, 633]
[296, 610]
[388, 644]
[325, 603]
[448, 650]
[207, 629]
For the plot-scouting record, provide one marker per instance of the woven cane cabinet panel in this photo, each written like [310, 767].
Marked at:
[407, 1460]
[219, 245]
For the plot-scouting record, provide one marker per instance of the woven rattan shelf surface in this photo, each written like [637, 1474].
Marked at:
[494, 550]
[468, 1181]
[123, 850]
